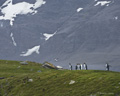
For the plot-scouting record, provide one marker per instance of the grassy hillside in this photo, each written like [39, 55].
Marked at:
[34, 80]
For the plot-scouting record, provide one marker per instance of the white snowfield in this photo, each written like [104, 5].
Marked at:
[79, 9]
[31, 51]
[102, 3]
[48, 36]
[13, 40]
[10, 10]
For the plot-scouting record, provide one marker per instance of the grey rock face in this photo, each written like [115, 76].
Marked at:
[90, 35]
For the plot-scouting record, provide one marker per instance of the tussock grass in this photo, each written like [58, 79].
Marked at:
[50, 82]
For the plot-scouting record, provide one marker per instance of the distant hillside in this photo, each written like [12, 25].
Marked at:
[61, 31]
[34, 80]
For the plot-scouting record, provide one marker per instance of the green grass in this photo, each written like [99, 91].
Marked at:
[50, 82]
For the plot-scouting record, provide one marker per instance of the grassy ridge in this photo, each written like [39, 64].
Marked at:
[47, 82]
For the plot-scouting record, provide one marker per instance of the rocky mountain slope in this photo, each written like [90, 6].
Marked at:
[60, 31]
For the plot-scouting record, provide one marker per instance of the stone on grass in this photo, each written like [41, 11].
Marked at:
[72, 82]
[30, 80]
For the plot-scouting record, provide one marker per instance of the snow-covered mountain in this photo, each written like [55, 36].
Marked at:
[61, 31]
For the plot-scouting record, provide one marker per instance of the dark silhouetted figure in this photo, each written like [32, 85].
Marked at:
[76, 67]
[81, 66]
[70, 66]
[107, 67]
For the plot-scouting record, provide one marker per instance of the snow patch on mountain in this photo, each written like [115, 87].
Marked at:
[10, 10]
[13, 40]
[31, 51]
[56, 59]
[48, 36]
[1, 24]
[116, 18]
[102, 3]
[79, 9]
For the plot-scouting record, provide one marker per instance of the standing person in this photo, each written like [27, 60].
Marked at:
[107, 66]
[81, 67]
[70, 66]
[76, 67]
[85, 66]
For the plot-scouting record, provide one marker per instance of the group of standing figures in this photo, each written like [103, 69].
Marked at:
[78, 66]
[84, 66]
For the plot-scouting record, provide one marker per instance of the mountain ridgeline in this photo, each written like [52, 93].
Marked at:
[62, 32]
